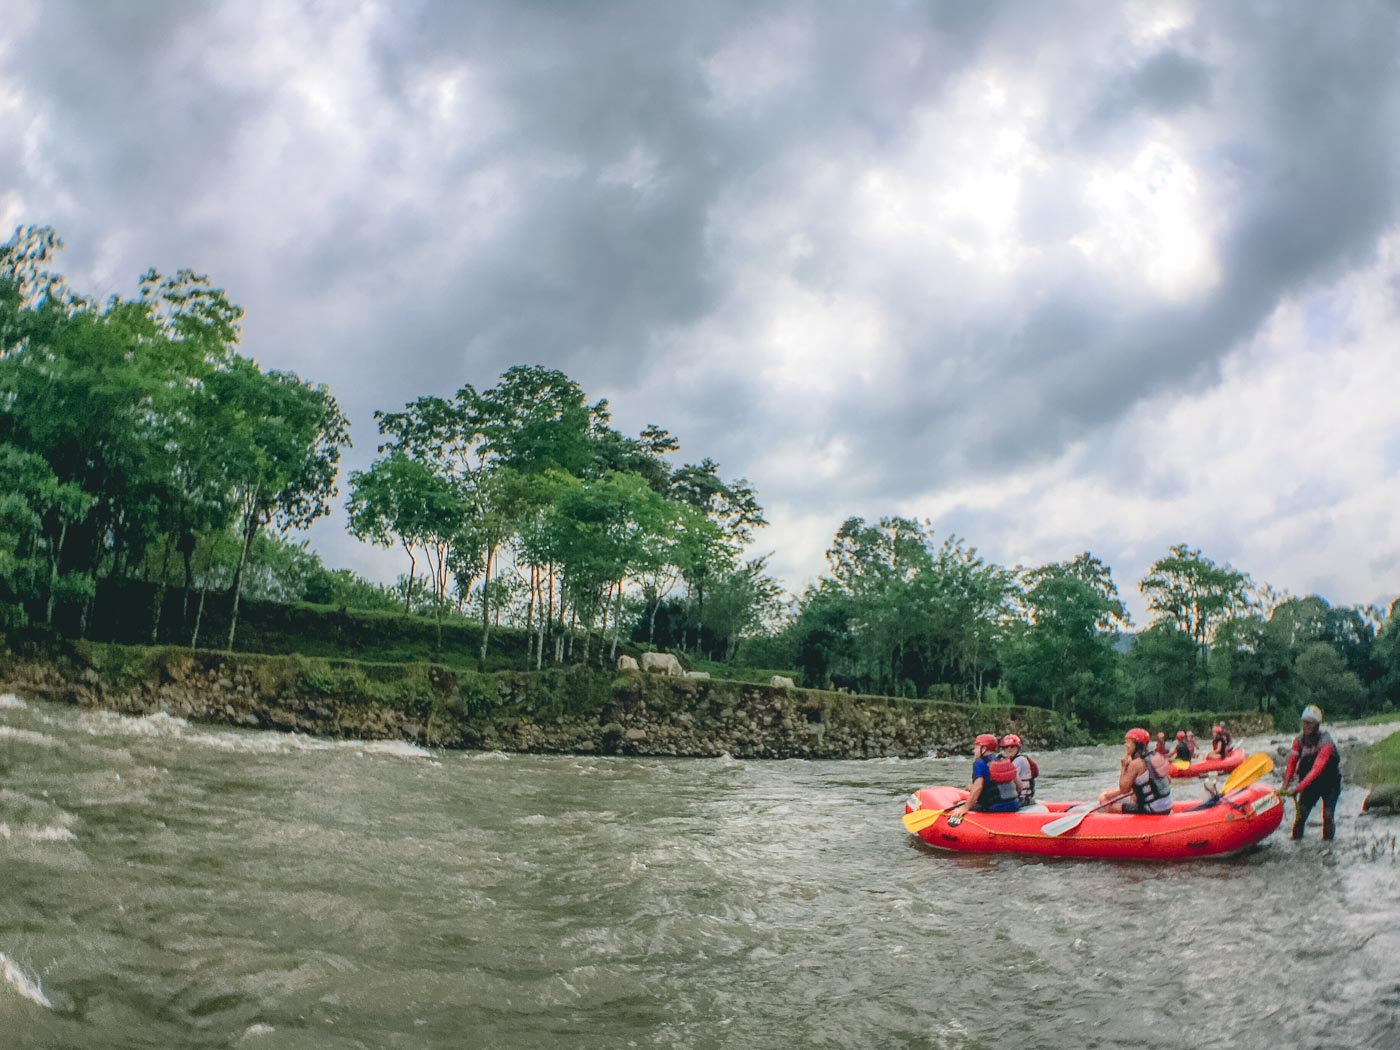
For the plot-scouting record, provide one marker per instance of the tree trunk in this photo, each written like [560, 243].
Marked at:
[412, 572]
[199, 614]
[53, 571]
[617, 620]
[160, 592]
[486, 602]
[187, 546]
[249, 530]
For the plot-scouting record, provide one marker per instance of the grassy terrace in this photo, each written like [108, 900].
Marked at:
[1381, 762]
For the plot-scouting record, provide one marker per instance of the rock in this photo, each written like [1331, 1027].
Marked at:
[1383, 800]
[635, 734]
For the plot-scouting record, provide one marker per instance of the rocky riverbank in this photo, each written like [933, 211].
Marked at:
[572, 709]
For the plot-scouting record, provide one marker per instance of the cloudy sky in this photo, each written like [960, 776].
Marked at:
[1058, 276]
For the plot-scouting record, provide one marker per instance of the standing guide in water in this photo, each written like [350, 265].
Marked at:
[1315, 761]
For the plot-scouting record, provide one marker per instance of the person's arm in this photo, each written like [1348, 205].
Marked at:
[1128, 774]
[1292, 766]
[1319, 764]
[965, 806]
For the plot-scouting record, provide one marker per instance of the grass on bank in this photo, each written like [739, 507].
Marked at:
[1380, 764]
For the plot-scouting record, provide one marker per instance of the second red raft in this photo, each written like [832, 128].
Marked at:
[1232, 758]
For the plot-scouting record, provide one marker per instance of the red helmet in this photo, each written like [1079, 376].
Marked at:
[1181, 734]
[1217, 729]
[986, 740]
[1011, 740]
[1137, 735]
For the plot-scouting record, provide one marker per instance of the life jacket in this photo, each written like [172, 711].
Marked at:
[999, 789]
[1153, 787]
[1028, 771]
[1183, 751]
[1307, 755]
[1221, 744]
[1162, 748]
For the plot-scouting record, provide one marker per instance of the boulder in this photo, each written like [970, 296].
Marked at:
[626, 663]
[662, 663]
[1383, 800]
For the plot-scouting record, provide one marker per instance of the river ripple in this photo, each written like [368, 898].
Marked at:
[169, 885]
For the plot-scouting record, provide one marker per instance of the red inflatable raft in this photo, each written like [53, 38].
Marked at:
[1192, 829]
[1232, 758]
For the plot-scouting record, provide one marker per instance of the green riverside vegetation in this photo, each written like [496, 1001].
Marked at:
[1380, 764]
[154, 480]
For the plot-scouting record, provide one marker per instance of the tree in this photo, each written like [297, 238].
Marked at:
[1162, 669]
[1387, 657]
[285, 437]
[1321, 677]
[400, 501]
[1063, 652]
[1193, 594]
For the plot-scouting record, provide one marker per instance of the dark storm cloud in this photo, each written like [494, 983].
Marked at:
[1306, 112]
[411, 196]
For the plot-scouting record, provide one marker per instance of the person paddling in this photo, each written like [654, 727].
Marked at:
[994, 787]
[1314, 760]
[1143, 774]
[1191, 742]
[1182, 751]
[1026, 769]
[1220, 742]
[1161, 747]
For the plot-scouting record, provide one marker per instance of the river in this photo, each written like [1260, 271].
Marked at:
[172, 885]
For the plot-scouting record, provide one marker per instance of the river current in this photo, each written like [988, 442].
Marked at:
[172, 885]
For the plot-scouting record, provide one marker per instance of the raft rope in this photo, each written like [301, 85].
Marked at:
[1193, 829]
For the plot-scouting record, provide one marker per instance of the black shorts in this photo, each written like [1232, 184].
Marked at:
[1131, 806]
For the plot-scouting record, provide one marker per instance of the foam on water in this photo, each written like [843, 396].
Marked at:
[162, 726]
[52, 833]
[399, 748]
[28, 736]
[11, 701]
[19, 979]
[490, 756]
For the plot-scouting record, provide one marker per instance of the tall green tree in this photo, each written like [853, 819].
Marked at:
[285, 437]
[1061, 656]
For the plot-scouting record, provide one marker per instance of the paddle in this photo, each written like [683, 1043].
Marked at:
[916, 820]
[1068, 823]
[1247, 772]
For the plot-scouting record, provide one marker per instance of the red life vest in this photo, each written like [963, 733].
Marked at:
[1001, 769]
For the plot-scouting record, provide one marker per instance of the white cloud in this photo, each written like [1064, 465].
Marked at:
[1288, 468]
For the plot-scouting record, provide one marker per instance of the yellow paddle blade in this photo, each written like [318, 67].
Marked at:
[1181, 763]
[1247, 772]
[919, 819]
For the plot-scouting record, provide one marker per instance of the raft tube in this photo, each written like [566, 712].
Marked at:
[1240, 820]
[1232, 758]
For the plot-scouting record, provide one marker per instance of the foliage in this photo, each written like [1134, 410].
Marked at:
[154, 477]
[1380, 763]
[1061, 654]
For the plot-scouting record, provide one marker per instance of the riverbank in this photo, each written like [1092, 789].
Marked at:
[1378, 767]
[569, 710]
